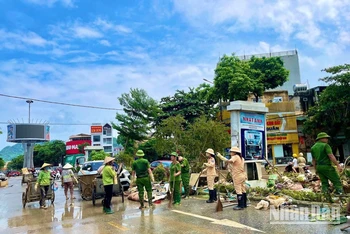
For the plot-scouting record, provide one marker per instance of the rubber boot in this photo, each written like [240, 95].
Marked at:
[109, 211]
[150, 204]
[141, 205]
[244, 200]
[240, 202]
[210, 196]
[215, 195]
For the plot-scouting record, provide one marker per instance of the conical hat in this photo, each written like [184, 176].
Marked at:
[107, 160]
[67, 166]
[45, 165]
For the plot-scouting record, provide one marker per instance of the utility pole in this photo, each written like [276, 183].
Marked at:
[29, 101]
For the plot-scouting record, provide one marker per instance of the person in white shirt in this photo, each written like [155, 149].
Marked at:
[295, 162]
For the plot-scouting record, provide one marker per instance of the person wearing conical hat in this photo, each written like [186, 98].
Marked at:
[239, 176]
[141, 170]
[175, 179]
[108, 175]
[43, 181]
[322, 160]
[211, 174]
[67, 181]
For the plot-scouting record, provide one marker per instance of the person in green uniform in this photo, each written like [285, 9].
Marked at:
[322, 159]
[108, 176]
[144, 176]
[175, 179]
[43, 181]
[185, 175]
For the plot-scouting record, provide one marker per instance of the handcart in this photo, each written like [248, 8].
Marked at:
[86, 185]
[32, 195]
[99, 192]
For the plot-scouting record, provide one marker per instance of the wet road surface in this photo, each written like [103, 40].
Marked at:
[193, 216]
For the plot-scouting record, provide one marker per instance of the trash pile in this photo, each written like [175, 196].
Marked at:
[159, 192]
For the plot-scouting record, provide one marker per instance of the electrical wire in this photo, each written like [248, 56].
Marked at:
[61, 103]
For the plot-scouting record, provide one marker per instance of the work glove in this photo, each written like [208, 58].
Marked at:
[205, 164]
[220, 156]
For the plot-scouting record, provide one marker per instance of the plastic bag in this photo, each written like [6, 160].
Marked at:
[55, 187]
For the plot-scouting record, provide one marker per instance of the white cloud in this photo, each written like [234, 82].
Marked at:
[21, 40]
[51, 3]
[105, 43]
[106, 25]
[86, 32]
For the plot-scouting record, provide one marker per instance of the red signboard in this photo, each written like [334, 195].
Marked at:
[96, 129]
[72, 147]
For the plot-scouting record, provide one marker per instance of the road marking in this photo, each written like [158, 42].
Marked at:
[120, 227]
[225, 222]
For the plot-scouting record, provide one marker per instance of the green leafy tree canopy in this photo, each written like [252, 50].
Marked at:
[98, 155]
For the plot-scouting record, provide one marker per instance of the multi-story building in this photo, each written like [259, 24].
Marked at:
[291, 63]
[101, 135]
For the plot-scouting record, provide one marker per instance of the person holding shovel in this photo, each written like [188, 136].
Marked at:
[239, 176]
[211, 174]
[108, 177]
[43, 182]
[185, 175]
[175, 179]
[322, 159]
[144, 177]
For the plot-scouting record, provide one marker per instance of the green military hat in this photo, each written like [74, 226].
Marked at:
[140, 153]
[322, 135]
[174, 154]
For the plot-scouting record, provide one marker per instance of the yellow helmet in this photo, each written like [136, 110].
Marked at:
[295, 155]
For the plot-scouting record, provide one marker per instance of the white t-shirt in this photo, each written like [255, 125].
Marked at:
[295, 162]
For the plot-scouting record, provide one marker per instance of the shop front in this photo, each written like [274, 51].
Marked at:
[282, 137]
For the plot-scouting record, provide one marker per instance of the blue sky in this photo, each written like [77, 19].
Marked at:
[90, 52]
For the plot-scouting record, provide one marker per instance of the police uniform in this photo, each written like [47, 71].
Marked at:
[143, 180]
[211, 174]
[185, 175]
[175, 181]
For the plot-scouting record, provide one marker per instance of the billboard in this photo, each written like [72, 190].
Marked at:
[252, 135]
[96, 129]
[72, 147]
[28, 132]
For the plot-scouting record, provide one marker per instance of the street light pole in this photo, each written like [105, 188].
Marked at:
[29, 102]
[219, 99]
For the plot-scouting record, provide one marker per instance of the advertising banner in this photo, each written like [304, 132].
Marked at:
[96, 129]
[252, 121]
[72, 147]
[281, 122]
[11, 132]
[252, 135]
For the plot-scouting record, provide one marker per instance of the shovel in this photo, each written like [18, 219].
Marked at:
[219, 204]
[194, 187]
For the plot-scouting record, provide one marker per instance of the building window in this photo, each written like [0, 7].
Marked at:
[96, 138]
[108, 149]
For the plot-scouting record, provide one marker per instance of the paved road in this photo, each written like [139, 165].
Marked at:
[193, 216]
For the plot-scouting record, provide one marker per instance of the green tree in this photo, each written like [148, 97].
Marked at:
[149, 149]
[140, 111]
[190, 105]
[98, 155]
[126, 159]
[332, 113]
[16, 163]
[82, 146]
[50, 152]
[235, 79]
[2, 163]
[193, 141]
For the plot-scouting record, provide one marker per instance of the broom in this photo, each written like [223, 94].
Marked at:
[219, 204]
[171, 195]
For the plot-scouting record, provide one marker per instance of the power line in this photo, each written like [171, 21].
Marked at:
[61, 103]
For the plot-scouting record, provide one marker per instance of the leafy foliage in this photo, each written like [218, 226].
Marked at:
[235, 79]
[140, 111]
[126, 159]
[332, 113]
[2, 163]
[190, 105]
[160, 173]
[192, 142]
[16, 163]
[149, 149]
[50, 152]
[98, 155]
[82, 146]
